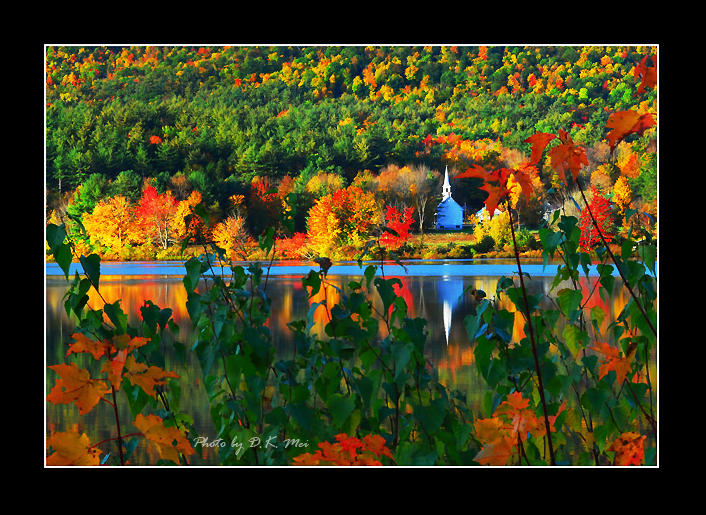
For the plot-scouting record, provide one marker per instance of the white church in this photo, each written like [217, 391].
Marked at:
[449, 213]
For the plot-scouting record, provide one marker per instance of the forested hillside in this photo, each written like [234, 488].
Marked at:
[208, 123]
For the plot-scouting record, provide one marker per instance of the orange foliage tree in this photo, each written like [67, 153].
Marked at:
[342, 218]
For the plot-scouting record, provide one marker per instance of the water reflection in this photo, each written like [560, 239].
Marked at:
[439, 299]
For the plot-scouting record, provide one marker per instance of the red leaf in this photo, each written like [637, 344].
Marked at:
[474, 171]
[495, 193]
[648, 75]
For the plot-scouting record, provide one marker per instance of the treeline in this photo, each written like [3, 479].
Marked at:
[212, 119]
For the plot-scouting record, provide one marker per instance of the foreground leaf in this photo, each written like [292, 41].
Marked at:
[76, 385]
[146, 377]
[168, 440]
[625, 123]
[72, 449]
[629, 449]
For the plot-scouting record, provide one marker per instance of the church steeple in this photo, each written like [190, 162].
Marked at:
[446, 188]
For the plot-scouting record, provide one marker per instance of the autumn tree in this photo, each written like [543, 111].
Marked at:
[157, 215]
[187, 222]
[409, 186]
[264, 205]
[601, 209]
[400, 223]
[622, 194]
[232, 236]
[112, 224]
[342, 218]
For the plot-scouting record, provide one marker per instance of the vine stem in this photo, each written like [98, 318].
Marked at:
[612, 256]
[552, 459]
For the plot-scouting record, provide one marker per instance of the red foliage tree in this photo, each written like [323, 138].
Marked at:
[601, 209]
[400, 223]
[157, 216]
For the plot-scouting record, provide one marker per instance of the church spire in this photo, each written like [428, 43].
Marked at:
[446, 189]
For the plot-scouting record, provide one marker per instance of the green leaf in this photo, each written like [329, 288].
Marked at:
[369, 274]
[314, 281]
[569, 301]
[63, 259]
[266, 240]
[575, 339]
[597, 317]
[199, 210]
[402, 352]
[56, 234]
[193, 274]
[431, 417]
[116, 315]
[60, 250]
[649, 256]
[92, 267]
[340, 408]
[387, 291]
[415, 329]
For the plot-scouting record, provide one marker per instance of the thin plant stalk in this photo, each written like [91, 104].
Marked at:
[552, 459]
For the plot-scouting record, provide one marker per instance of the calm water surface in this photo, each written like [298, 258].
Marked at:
[433, 290]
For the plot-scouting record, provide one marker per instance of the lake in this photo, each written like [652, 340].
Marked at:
[433, 290]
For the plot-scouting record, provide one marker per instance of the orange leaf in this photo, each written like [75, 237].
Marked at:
[567, 155]
[625, 123]
[124, 342]
[85, 344]
[629, 449]
[497, 452]
[376, 445]
[539, 142]
[490, 429]
[71, 449]
[168, 440]
[524, 177]
[343, 452]
[515, 409]
[76, 386]
[114, 368]
[613, 361]
[146, 378]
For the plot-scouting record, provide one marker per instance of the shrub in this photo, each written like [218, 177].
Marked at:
[486, 244]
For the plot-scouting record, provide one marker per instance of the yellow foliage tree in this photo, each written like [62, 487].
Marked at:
[497, 228]
[112, 224]
[232, 236]
[622, 194]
